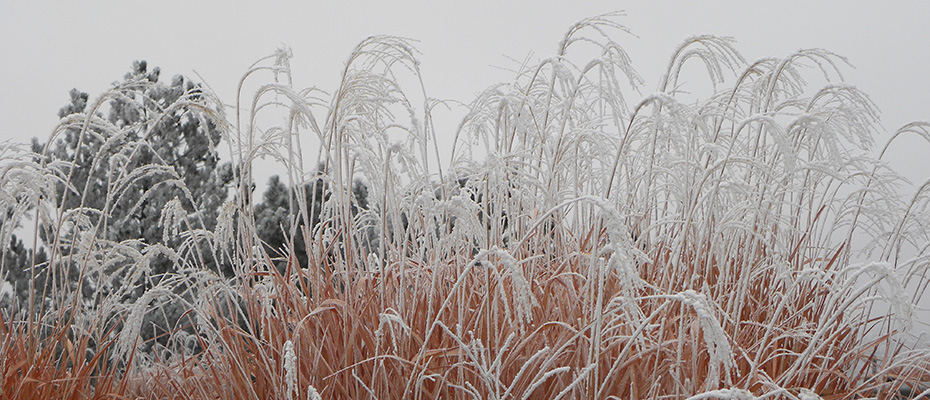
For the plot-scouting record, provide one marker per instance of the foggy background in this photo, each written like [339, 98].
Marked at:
[48, 47]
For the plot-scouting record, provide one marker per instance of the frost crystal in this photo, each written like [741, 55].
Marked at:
[715, 338]
[290, 368]
[882, 277]
[806, 394]
[171, 216]
[524, 301]
[225, 225]
[312, 394]
[729, 394]
[129, 338]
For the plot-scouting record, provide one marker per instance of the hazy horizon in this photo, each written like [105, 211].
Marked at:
[465, 47]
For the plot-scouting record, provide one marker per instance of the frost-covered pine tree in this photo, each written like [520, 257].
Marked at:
[15, 271]
[123, 158]
[142, 130]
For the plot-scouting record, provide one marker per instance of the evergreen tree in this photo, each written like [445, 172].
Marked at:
[152, 143]
[15, 266]
[273, 216]
[174, 146]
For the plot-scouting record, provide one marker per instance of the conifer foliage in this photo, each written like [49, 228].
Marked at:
[133, 151]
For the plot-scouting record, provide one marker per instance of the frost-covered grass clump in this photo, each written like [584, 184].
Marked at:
[586, 241]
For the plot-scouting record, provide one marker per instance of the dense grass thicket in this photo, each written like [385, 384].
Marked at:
[585, 241]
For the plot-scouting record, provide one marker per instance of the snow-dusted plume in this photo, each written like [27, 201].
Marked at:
[172, 215]
[290, 368]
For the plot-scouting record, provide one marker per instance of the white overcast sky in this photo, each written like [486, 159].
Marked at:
[47, 48]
